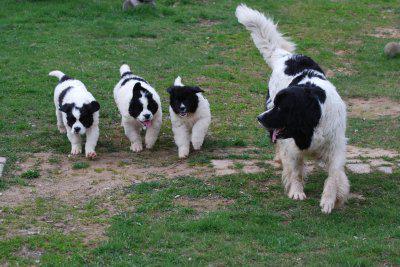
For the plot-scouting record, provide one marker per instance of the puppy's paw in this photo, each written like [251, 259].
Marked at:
[183, 152]
[76, 150]
[197, 145]
[327, 204]
[91, 154]
[136, 147]
[62, 129]
[296, 192]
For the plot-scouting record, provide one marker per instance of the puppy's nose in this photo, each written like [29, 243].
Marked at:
[147, 116]
[259, 117]
[77, 129]
[182, 108]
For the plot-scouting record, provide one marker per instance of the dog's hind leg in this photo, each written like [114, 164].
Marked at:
[293, 170]
[133, 134]
[60, 124]
[337, 186]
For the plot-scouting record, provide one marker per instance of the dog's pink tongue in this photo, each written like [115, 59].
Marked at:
[147, 124]
[274, 133]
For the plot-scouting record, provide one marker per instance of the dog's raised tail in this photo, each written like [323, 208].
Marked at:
[264, 32]
[124, 69]
[58, 74]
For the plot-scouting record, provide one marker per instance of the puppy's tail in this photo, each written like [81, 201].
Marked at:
[59, 74]
[178, 81]
[124, 69]
[264, 32]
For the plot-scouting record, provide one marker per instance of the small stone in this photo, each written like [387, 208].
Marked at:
[385, 170]
[251, 169]
[359, 168]
[379, 162]
[3, 160]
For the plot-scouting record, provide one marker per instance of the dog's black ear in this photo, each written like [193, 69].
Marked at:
[137, 86]
[66, 108]
[316, 92]
[170, 90]
[197, 89]
[94, 106]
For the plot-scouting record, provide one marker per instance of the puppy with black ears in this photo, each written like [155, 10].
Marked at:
[77, 113]
[140, 108]
[190, 116]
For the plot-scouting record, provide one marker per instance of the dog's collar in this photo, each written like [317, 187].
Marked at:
[133, 78]
[126, 73]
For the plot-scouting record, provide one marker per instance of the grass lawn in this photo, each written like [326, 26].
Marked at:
[202, 42]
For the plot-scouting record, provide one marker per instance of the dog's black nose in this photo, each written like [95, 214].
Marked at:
[147, 116]
[182, 109]
[259, 118]
[77, 129]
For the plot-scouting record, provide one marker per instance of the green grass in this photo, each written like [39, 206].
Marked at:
[30, 174]
[80, 165]
[202, 42]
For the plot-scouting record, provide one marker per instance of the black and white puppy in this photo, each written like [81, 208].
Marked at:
[305, 114]
[140, 107]
[77, 113]
[190, 116]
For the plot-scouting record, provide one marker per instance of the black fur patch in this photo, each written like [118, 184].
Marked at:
[63, 94]
[298, 63]
[306, 74]
[64, 78]
[126, 73]
[86, 113]
[136, 107]
[185, 95]
[133, 78]
[296, 113]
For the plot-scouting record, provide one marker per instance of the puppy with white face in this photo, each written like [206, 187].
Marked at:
[190, 116]
[140, 108]
[77, 113]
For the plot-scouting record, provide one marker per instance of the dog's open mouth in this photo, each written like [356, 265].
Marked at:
[183, 114]
[147, 123]
[275, 134]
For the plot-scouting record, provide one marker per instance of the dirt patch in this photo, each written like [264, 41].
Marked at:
[372, 108]
[386, 33]
[355, 152]
[206, 204]
[29, 254]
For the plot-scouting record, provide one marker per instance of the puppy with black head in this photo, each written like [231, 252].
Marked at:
[190, 116]
[305, 114]
[140, 108]
[77, 113]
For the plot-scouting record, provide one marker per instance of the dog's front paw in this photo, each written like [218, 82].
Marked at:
[91, 154]
[327, 204]
[62, 129]
[136, 147]
[76, 150]
[197, 145]
[183, 152]
[296, 192]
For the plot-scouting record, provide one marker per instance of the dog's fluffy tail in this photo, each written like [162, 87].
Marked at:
[124, 68]
[178, 81]
[264, 32]
[57, 73]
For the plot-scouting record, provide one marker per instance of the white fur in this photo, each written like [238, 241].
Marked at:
[328, 142]
[133, 126]
[192, 128]
[78, 95]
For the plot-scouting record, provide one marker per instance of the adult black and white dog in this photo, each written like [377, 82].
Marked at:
[190, 116]
[305, 114]
[77, 113]
[140, 107]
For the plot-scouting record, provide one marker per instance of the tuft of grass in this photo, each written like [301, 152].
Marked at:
[30, 174]
[80, 165]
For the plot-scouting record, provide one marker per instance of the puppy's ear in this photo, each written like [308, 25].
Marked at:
[170, 90]
[137, 86]
[197, 89]
[66, 108]
[94, 106]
